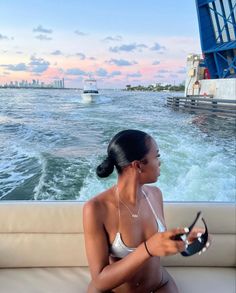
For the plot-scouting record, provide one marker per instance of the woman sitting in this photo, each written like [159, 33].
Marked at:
[124, 226]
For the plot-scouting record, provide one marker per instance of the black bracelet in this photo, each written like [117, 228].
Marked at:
[145, 244]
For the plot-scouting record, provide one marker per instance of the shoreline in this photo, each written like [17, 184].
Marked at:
[39, 88]
[80, 89]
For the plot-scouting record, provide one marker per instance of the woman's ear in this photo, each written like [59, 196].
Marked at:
[137, 165]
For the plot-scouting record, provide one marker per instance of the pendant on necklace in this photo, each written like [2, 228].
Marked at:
[134, 215]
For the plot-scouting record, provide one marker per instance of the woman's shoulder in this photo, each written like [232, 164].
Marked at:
[155, 195]
[153, 192]
[98, 204]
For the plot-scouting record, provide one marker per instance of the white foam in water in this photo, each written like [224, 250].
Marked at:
[12, 172]
[93, 185]
[48, 187]
[66, 141]
[200, 175]
[100, 99]
[38, 188]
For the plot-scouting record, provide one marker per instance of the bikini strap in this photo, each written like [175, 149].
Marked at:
[153, 211]
[118, 207]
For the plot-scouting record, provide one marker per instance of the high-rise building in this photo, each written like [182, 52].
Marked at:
[34, 84]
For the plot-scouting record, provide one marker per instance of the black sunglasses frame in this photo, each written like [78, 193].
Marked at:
[198, 244]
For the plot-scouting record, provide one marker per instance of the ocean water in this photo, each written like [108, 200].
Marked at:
[51, 143]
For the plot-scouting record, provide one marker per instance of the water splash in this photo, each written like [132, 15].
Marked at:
[51, 144]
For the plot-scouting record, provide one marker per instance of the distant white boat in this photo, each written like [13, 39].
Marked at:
[90, 91]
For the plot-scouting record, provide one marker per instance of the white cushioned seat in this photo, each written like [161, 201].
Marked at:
[44, 280]
[76, 279]
[42, 248]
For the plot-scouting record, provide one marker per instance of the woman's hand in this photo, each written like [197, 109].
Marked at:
[196, 233]
[162, 243]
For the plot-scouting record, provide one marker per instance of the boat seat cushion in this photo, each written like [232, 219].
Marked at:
[76, 279]
[42, 248]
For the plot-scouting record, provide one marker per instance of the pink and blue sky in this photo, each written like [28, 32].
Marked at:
[117, 42]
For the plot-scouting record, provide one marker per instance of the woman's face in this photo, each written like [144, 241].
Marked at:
[151, 166]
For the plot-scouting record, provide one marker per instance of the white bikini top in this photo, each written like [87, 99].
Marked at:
[118, 248]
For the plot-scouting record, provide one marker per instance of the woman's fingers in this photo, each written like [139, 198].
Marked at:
[174, 241]
[177, 240]
[181, 245]
[162, 243]
[208, 244]
[195, 233]
[179, 230]
[176, 232]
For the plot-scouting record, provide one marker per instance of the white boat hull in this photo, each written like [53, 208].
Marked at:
[89, 97]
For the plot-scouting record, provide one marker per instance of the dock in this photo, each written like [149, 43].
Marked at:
[203, 105]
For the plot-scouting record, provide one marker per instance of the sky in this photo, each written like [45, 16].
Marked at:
[121, 42]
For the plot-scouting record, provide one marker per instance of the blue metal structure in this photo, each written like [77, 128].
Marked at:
[217, 28]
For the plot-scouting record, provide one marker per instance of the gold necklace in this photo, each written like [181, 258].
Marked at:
[133, 215]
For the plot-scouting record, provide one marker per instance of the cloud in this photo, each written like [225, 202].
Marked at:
[43, 38]
[121, 62]
[163, 71]
[116, 38]
[159, 76]
[56, 52]
[127, 48]
[17, 67]
[158, 47]
[38, 65]
[136, 81]
[19, 52]
[36, 74]
[75, 71]
[60, 70]
[81, 56]
[2, 37]
[115, 73]
[156, 62]
[137, 74]
[40, 29]
[101, 72]
[79, 33]
[182, 70]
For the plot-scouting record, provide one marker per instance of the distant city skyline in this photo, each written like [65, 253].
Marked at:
[118, 43]
[36, 83]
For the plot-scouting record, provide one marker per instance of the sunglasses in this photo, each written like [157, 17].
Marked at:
[199, 243]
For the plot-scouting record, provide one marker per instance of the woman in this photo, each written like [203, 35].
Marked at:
[124, 226]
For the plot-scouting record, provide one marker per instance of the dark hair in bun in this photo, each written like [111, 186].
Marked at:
[105, 168]
[124, 148]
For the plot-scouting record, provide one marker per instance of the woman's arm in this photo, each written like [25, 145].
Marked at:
[107, 276]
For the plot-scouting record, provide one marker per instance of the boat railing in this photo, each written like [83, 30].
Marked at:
[203, 104]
